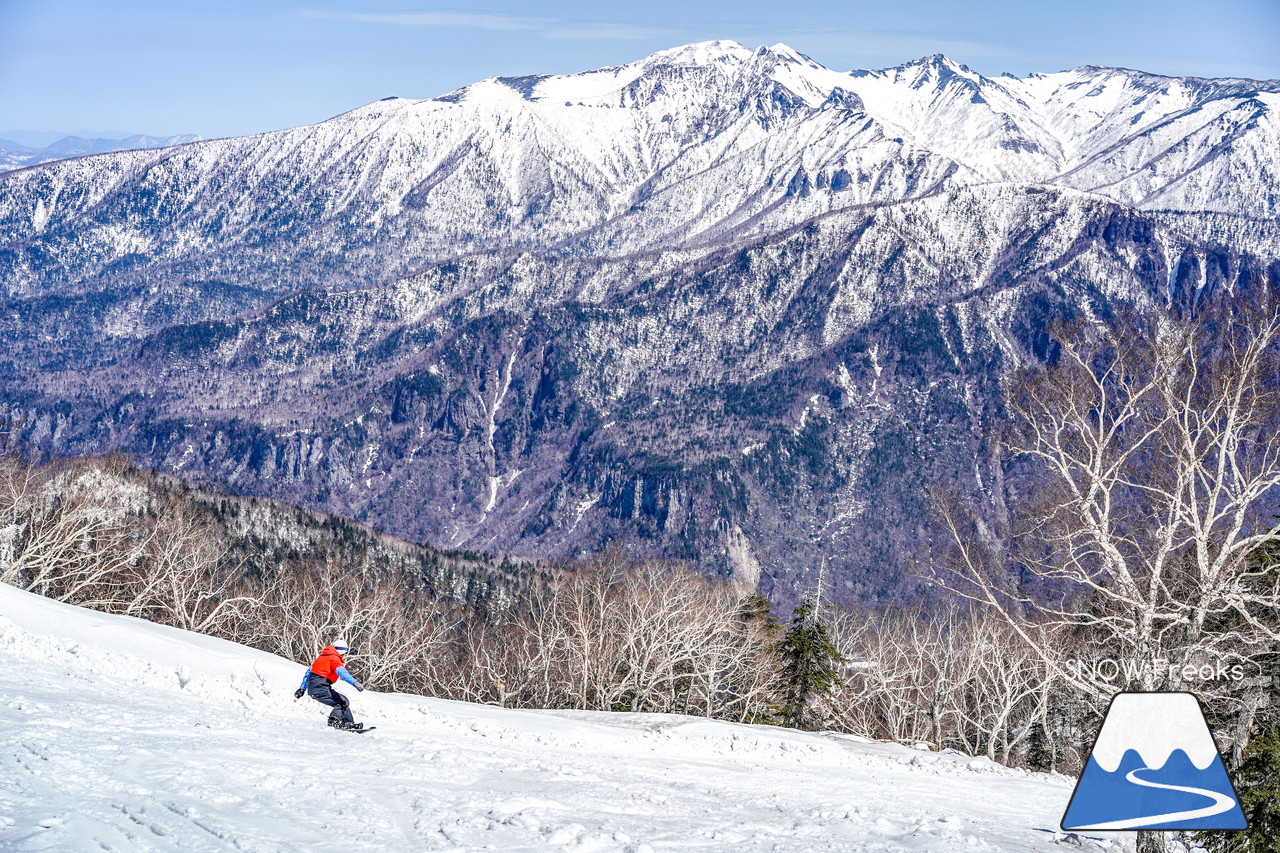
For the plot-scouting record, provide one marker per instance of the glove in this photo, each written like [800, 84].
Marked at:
[297, 694]
[359, 687]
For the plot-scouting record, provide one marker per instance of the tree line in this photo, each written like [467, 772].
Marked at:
[1136, 527]
[607, 633]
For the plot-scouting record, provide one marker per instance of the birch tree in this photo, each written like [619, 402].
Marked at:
[1155, 459]
[1157, 462]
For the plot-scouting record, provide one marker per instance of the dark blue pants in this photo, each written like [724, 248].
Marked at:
[319, 689]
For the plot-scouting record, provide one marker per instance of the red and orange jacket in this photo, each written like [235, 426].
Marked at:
[330, 666]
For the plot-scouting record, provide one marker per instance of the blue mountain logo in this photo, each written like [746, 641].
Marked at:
[1154, 766]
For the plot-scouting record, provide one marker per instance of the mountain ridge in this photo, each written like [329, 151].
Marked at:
[15, 155]
[717, 305]
[378, 179]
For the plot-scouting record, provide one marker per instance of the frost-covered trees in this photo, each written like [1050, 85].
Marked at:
[608, 633]
[1256, 755]
[947, 678]
[615, 634]
[67, 533]
[1153, 447]
[1156, 464]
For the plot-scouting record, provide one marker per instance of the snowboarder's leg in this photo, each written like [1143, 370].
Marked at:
[343, 709]
[320, 690]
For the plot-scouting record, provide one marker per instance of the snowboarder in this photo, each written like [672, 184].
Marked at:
[318, 683]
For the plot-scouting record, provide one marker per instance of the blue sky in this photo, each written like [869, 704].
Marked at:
[242, 66]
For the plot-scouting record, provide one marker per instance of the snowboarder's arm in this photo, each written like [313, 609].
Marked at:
[305, 676]
[349, 678]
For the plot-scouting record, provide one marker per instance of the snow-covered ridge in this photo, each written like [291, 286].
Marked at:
[851, 194]
[120, 735]
[690, 145]
[1154, 725]
[16, 156]
[1038, 127]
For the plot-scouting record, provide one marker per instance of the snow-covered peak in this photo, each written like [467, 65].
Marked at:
[703, 72]
[787, 51]
[1123, 92]
[1035, 128]
[701, 53]
[927, 72]
[938, 62]
[697, 142]
[1154, 725]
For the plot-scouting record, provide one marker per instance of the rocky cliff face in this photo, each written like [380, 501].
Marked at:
[720, 304]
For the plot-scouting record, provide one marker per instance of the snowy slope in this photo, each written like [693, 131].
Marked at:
[1167, 143]
[122, 735]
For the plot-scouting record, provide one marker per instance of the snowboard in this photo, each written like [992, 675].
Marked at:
[357, 731]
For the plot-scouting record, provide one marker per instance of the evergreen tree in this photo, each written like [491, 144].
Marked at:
[756, 608]
[810, 667]
[1257, 783]
[1039, 754]
[759, 630]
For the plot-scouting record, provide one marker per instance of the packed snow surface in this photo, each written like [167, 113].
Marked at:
[122, 735]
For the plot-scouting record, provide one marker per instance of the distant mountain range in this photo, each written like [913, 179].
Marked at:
[719, 304]
[15, 155]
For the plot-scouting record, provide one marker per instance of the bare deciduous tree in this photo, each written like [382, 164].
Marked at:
[68, 534]
[943, 678]
[184, 579]
[1157, 460]
[610, 634]
[1159, 463]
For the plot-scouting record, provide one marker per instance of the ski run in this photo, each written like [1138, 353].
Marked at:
[121, 735]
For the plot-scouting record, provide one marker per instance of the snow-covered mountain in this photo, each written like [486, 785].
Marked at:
[14, 155]
[688, 146]
[120, 735]
[722, 304]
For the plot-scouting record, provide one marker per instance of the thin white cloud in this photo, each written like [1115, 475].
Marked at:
[550, 28]
[470, 20]
[608, 31]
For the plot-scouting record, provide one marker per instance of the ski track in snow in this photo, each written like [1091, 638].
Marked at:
[120, 735]
[1221, 804]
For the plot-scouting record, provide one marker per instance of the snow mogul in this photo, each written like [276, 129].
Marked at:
[318, 683]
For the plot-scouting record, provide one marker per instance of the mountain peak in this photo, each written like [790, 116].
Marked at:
[776, 70]
[937, 65]
[726, 51]
[703, 53]
[942, 63]
[786, 52]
